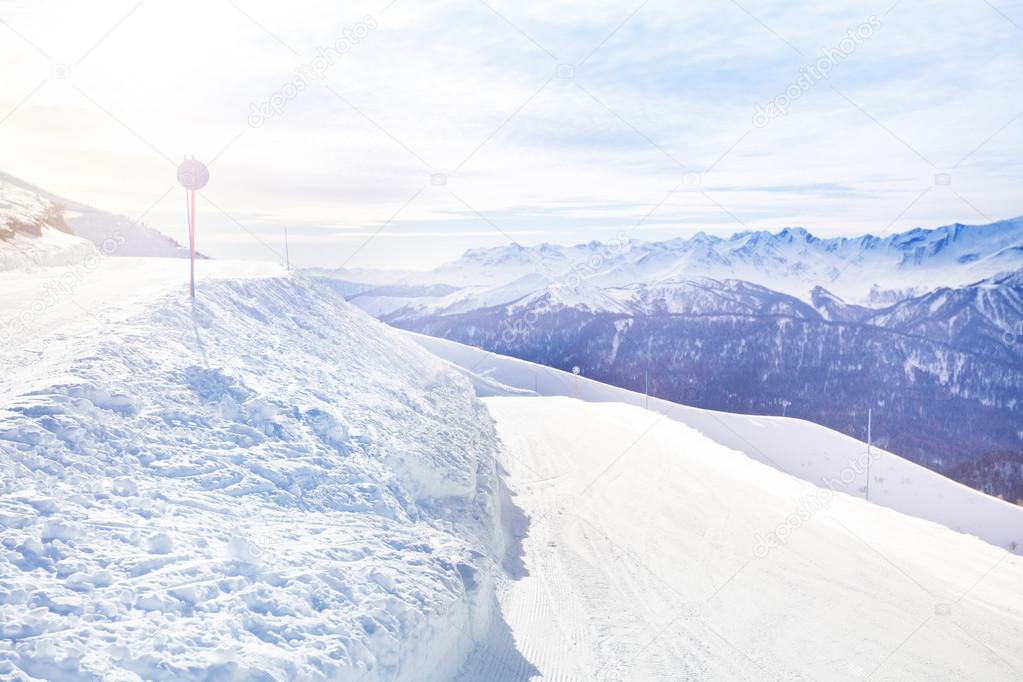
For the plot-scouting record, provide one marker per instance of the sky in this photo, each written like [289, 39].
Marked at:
[397, 134]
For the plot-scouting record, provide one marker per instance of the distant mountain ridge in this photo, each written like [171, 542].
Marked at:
[925, 326]
[938, 369]
[866, 270]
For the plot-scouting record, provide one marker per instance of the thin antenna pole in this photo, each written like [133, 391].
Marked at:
[869, 424]
[287, 254]
[646, 379]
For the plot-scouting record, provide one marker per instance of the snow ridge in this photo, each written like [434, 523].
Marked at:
[267, 484]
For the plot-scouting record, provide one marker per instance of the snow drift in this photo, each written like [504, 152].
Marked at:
[265, 484]
[811, 452]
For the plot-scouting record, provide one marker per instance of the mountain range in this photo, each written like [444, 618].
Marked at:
[924, 328]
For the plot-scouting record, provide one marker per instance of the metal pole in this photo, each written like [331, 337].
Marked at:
[287, 254]
[869, 424]
[190, 208]
[646, 379]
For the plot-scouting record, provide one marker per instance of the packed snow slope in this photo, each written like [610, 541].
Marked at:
[265, 484]
[645, 559]
[808, 451]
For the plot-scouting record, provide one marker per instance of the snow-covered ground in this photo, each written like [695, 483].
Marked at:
[265, 484]
[50, 248]
[643, 558]
[808, 451]
[33, 233]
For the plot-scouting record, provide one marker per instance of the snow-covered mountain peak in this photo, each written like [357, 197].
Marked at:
[112, 235]
[869, 270]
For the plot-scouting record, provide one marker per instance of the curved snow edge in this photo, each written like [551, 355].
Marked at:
[267, 483]
[806, 450]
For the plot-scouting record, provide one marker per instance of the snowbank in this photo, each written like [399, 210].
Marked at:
[808, 451]
[267, 485]
[50, 248]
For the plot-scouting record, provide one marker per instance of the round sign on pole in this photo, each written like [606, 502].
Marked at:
[193, 174]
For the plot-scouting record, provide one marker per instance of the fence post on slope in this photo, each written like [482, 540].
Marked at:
[646, 378]
[869, 420]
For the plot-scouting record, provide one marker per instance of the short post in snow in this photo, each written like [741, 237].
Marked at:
[646, 375]
[287, 253]
[869, 419]
[193, 176]
[575, 381]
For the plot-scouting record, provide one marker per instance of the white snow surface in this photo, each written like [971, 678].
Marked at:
[51, 248]
[266, 484]
[643, 559]
[32, 233]
[803, 449]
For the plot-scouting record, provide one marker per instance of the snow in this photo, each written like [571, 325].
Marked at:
[866, 270]
[120, 236]
[265, 484]
[800, 448]
[51, 248]
[33, 233]
[111, 235]
[269, 484]
[644, 557]
[19, 204]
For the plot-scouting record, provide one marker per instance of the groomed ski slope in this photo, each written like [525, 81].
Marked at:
[641, 560]
[808, 451]
[266, 484]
